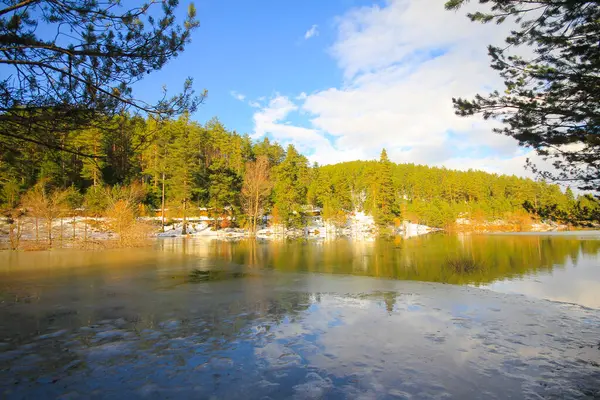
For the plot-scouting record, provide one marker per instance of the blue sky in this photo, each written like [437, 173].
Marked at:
[341, 79]
[256, 48]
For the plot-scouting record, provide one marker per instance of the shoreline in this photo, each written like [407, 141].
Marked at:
[92, 232]
[111, 241]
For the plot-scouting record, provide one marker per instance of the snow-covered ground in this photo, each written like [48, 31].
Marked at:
[408, 229]
[67, 228]
[359, 226]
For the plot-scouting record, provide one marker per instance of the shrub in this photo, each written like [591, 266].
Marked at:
[463, 265]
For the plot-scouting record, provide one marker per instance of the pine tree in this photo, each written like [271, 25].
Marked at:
[290, 187]
[81, 63]
[90, 141]
[155, 165]
[273, 151]
[225, 186]
[182, 161]
[552, 90]
[386, 202]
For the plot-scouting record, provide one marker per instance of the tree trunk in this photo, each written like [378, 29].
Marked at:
[155, 174]
[95, 174]
[11, 236]
[255, 212]
[85, 227]
[184, 222]
[162, 206]
[15, 233]
[74, 219]
[49, 225]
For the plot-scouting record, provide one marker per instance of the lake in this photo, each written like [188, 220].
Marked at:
[437, 316]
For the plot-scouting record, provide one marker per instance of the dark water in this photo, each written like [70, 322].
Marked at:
[507, 316]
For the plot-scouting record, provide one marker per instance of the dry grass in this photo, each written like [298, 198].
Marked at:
[517, 221]
[32, 245]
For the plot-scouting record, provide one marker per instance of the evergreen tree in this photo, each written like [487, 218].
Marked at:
[186, 164]
[290, 187]
[552, 94]
[80, 64]
[155, 162]
[386, 202]
[183, 166]
[273, 151]
[90, 141]
[224, 189]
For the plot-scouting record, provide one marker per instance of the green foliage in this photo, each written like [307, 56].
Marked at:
[11, 193]
[471, 259]
[291, 187]
[205, 165]
[551, 98]
[89, 141]
[182, 165]
[71, 65]
[73, 198]
[95, 201]
[224, 192]
[273, 151]
[437, 196]
[385, 198]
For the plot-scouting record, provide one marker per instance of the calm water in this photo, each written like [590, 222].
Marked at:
[441, 316]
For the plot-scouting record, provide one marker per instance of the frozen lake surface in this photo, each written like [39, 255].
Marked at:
[206, 319]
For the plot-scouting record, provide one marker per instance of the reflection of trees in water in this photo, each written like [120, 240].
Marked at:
[230, 319]
[436, 258]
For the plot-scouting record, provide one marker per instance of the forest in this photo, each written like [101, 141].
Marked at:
[75, 141]
[179, 168]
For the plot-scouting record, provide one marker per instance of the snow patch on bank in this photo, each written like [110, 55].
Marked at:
[359, 225]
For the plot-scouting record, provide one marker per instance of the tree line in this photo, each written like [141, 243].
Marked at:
[180, 165]
[73, 136]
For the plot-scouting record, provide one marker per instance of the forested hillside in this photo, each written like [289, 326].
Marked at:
[181, 165]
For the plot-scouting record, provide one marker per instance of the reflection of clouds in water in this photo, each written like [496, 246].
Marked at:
[283, 334]
[442, 347]
[397, 347]
[397, 339]
[572, 283]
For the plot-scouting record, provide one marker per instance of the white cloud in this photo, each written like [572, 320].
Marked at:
[237, 96]
[313, 31]
[402, 63]
[271, 120]
[401, 74]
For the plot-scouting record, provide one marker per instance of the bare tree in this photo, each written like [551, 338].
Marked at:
[15, 227]
[124, 207]
[256, 189]
[41, 202]
[33, 203]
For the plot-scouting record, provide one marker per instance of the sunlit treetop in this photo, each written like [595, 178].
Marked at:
[67, 63]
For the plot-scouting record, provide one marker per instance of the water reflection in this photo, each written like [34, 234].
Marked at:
[555, 267]
[315, 337]
[443, 258]
[195, 319]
